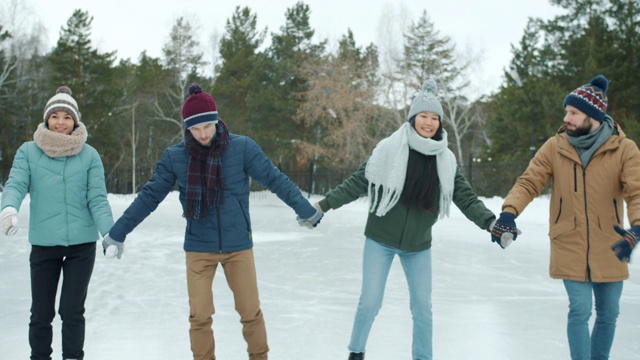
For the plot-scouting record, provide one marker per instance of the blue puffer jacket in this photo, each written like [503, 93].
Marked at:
[228, 226]
[68, 195]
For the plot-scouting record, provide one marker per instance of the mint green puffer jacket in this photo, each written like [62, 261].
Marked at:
[68, 195]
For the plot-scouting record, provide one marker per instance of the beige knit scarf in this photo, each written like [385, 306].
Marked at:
[58, 145]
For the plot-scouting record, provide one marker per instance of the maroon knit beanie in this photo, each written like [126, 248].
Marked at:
[199, 107]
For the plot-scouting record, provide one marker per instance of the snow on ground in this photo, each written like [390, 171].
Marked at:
[489, 303]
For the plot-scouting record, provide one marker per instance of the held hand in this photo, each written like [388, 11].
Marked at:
[314, 220]
[9, 221]
[112, 248]
[623, 247]
[504, 230]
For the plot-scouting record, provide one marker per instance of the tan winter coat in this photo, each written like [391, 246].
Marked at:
[585, 204]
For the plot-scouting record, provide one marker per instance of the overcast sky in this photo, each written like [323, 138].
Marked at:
[485, 29]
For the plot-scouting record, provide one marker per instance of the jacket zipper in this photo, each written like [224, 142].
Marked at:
[66, 213]
[575, 177]
[586, 215]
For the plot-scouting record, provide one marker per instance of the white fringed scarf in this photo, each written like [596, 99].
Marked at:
[387, 168]
[58, 145]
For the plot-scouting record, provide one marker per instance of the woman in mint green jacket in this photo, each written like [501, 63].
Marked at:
[64, 177]
[411, 179]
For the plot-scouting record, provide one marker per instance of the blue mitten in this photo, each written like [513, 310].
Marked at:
[112, 248]
[623, 247]
[504, 230]
[312, 221]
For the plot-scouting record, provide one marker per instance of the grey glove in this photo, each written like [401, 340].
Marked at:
[9, 221]
[314, 220]
[112, 248]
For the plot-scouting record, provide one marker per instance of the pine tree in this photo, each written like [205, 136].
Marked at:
[429, 55]
[281, 86]
[625, 26]
[184, 59]
[553, 58]
[237, 72]
[76, 64]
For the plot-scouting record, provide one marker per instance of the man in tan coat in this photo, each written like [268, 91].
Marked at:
[594, 168]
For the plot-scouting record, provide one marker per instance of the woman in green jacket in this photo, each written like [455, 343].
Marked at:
[65, 179]
[411, 179]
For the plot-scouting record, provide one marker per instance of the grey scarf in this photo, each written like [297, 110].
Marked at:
[587, 145]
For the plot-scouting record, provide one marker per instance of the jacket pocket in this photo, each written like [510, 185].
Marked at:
[605, 224]
[559, 212]
[189, 222]
[560, 228]
[615, 210]
[245, 216]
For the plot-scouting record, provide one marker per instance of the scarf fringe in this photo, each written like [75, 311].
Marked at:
[445, 204]
[380, 205]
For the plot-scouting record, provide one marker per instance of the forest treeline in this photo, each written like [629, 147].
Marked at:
[315, 111]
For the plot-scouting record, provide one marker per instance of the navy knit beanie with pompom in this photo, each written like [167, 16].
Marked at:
[590, 98]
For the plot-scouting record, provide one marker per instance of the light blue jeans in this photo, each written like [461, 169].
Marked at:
[597, 345]
[376, 263]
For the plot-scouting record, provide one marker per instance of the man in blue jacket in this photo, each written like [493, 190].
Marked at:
[212, 168]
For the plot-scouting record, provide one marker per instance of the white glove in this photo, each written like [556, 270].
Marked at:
[314, 220]
[9, 221]
[112, 248]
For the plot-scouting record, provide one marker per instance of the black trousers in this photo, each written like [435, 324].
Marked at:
[47, 263]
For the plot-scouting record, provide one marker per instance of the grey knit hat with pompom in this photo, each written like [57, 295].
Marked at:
[62, 101]
[426, 100]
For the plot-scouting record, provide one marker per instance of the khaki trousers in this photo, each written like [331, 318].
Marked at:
[240, 272]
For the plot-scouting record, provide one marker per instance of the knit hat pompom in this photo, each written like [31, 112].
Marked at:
[62, 101]
[590, 98]
[426, 100]
[430, 86]
[601, 82]
[64, 90]
[195, 88]
[199, 107]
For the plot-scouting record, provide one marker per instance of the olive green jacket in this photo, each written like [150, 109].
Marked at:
[404, 228]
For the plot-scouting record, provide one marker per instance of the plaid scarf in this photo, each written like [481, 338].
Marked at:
[205, 184]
